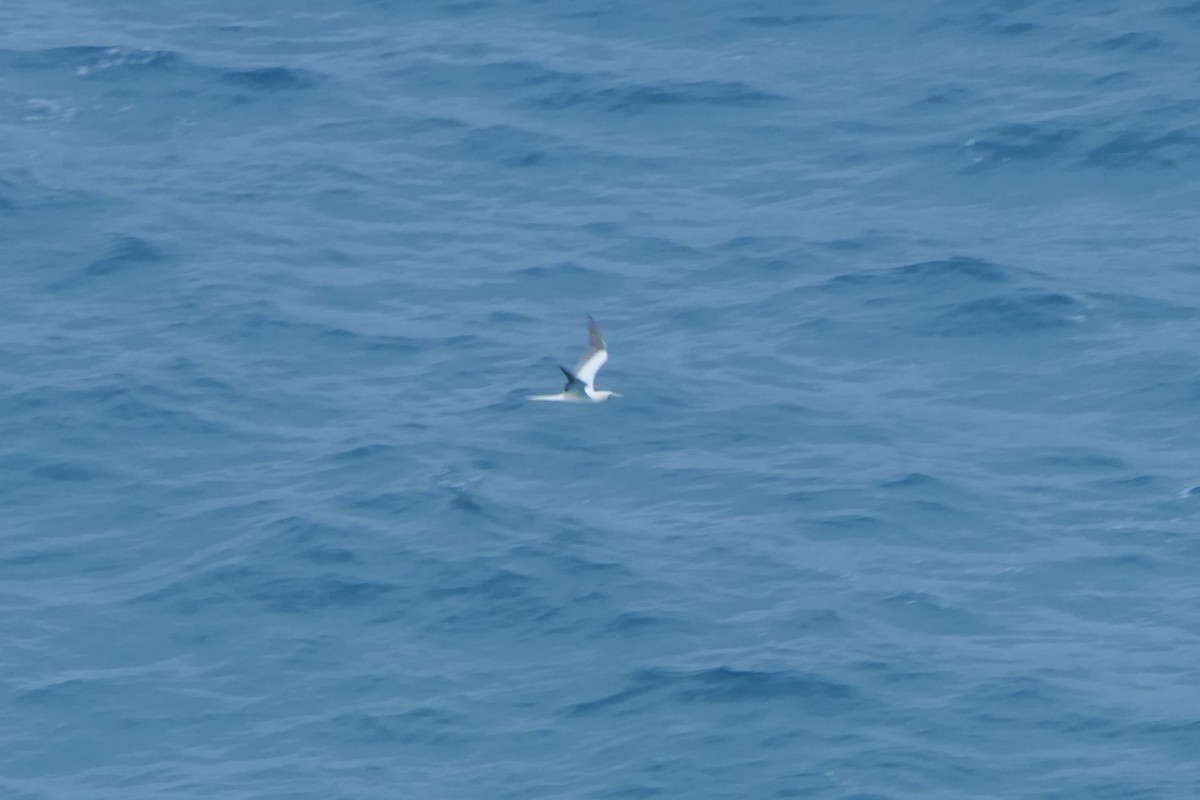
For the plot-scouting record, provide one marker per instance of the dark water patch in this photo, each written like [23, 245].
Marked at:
[91, 61]
[22, 191]
[516, 148]
[605, 229]
[924, 612]
[559, 560]
[491, 584]
[770, 257]
[269, 80]
[821, 498]
[124, 254]
[522, 75]
[755, 245]
[1131, 789]
[18, 462]
[1000, 20]
[1152, 382]
[497, 78]
[318, 554]
[1108, 577]
[25, 559]
[494, 600]
[200, 592]
[630, 623]
[784, 20]
[812, 694]
[368, 453]
[130, 407]
[1012, 698]
[700, 93]
[468, 503]
[1044, 708]
[466, 8]
[1114, 79]
[8, 196]
[724, 684]
[653, 249]
[1182, 734]
[123, 403]
[1021, 142]
[913, 480]
[1184, 10]
[1136, 308]
[1078, 460]
[643, 98]
[418, 726]
[263, 319]
[437, 126]
[863, 243]
[635, 792]
[1133, 42]
[642, 684]
[1017, 314]
[924, 277]
[195, 375]
[464, 502]
[149, 84]
[67, 472]
[843, 524]
[307, 540]
[70, 690]
[1140, 149]
[463, 341]
[569, 279]
[229, 587]
[508, 318]
[1128, 482]
[508, 146]
[890, 673]
[771, 266]
[1017, 28]
[389, 503]
[380, 343]
[943, 97]
[818, 621]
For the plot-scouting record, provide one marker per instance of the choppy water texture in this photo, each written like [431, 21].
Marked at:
[901, 501]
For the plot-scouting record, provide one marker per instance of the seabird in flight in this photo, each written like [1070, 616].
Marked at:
[579, 383]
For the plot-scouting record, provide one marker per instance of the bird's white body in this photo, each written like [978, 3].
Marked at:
[579, 388]
[587, 396]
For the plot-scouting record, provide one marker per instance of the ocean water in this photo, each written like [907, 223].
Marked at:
[901, 501]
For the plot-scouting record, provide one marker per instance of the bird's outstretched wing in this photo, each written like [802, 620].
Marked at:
[597, 354]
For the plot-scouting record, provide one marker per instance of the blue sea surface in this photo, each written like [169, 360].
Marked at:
[901, 502]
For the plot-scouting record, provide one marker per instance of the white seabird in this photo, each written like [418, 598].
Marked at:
[579, 383]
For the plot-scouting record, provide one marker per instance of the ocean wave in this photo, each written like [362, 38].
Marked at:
[1014, 314]
[808, 693]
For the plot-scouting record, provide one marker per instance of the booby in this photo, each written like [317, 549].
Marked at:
[579, 388]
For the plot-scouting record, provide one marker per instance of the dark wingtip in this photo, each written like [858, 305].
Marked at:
[571, 379]
[595, 337]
